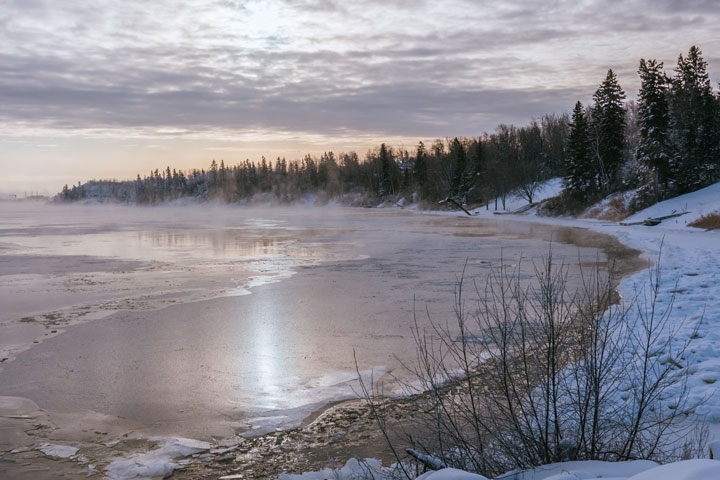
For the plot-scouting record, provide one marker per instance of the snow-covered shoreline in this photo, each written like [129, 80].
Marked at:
[689, 260]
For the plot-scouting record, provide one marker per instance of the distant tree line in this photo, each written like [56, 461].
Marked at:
[665, 144]
[470, 170]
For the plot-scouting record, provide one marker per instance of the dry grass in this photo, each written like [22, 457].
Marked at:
[613, 210]
[711, 221]
[563, 204]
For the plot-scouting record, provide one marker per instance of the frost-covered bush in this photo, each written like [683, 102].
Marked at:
[529, 375]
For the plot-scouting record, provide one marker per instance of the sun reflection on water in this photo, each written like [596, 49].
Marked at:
[270, 369]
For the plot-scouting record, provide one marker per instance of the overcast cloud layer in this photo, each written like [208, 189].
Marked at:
[335, 69]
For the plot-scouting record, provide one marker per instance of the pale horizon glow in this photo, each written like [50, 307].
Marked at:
[105, 89]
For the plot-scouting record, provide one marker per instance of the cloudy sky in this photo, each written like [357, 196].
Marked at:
[107, 88]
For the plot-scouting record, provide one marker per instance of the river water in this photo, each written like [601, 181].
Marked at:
[207, 320]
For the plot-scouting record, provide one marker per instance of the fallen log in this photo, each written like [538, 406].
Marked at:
[432, 463]
[651, 222]
[450, 200]
[522, 209]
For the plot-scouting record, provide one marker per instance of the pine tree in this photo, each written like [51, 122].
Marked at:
[420, 169]
[476, 157]
[476, 171]
[458, 159]
[608, 124]
[404, 159]
[694, 132]
[222, 177]
[653, 151]
[167, 183]
[581, 176]
[386, 164]
[213, 179]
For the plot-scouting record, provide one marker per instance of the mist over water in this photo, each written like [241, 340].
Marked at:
[205, 320]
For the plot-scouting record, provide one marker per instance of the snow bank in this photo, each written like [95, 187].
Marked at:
[582, 470]
[687, 470]
[697, 204]
[450, 474]
[690, 269]
[634, 470]
[155, 463]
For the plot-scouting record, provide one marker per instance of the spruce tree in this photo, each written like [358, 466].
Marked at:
[386, 164]
[213, 179]
[458, 159]
[580, 174]
[404, 158]
[694, 128]
[476, 170]
[653, 117]
[222, 176]
[608, 122]
[476, 157]
[420, 169]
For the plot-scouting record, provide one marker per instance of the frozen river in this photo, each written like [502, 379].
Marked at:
[202, 321]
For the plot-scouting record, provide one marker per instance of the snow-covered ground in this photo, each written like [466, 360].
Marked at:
[699, 469]
[690, 276]
[696, 204]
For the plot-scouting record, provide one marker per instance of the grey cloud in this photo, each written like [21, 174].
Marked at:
[396, 109]
[331, 67]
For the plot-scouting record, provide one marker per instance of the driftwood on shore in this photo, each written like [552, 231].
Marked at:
[522, 209]
[651, 222]
[457, 204]
[430, 462]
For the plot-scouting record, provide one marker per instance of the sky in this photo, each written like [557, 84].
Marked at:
[109, 89]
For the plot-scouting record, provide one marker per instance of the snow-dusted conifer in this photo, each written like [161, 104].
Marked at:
[654, 123]
[386, 165]
[694, 130]
[458, 158]
[580, 178]
[608, 123]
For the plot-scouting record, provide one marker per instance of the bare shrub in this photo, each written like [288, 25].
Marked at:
[539, 373]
